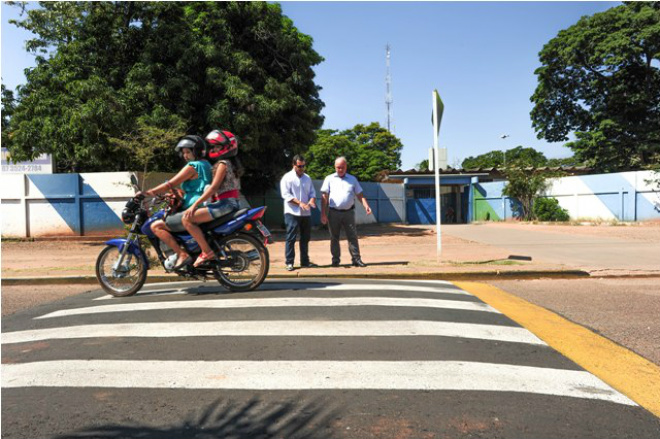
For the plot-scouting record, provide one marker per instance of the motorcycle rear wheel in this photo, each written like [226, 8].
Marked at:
[123, 282]
[251, 263]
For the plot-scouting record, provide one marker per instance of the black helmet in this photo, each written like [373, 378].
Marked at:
[195, 143]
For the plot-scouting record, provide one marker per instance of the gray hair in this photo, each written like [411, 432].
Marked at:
[341, 158]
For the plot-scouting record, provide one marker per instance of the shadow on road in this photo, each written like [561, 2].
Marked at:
[321, 233]
[224, 419]
[270, 285]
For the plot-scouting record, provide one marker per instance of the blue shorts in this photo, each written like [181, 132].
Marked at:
[223, 207]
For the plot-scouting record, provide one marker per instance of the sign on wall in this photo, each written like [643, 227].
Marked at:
[42, 165]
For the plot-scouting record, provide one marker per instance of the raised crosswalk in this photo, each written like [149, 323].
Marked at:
[439, 314]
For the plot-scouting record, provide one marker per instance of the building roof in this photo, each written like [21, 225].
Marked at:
[492, 172]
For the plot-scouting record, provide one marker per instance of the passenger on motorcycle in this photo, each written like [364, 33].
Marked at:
[224, 190]
[193, 178]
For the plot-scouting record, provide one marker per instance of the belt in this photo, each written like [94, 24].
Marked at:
[227, 194]
[343, 210]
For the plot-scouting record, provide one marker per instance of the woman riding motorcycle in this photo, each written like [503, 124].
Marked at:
[193, 178]
[224, 190]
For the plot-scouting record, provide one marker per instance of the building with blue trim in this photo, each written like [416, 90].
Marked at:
[466, 195]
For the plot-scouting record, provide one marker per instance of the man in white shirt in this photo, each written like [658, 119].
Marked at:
[299, 199]
[339, 191]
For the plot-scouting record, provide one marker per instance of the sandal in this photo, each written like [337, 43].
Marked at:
[204, 257]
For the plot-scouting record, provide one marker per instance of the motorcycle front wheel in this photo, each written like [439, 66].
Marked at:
[120, 281]
[250, 262]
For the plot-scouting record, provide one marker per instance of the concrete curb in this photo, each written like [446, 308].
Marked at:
[477, 275]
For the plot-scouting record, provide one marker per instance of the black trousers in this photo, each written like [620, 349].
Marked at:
[338, 219]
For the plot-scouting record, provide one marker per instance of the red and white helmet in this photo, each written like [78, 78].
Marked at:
[226, 141]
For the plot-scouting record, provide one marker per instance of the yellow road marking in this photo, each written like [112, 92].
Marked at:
[625, 371]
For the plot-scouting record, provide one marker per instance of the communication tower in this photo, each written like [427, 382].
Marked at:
[389, 102]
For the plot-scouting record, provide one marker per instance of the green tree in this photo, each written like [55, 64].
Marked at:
[525, 185]
[498, 159]
[566, 161]
[600, 80]
[149, 143]
[108, 70]
[8, 104]
[369, 150]
[328, 146]
[423, 165]
[548, 209]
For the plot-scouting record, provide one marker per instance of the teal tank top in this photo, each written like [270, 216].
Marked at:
[194, 188]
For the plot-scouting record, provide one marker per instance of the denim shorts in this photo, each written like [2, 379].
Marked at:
[175, 222]
[223, 207]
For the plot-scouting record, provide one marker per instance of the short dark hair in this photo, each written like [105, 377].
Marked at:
[298, 158]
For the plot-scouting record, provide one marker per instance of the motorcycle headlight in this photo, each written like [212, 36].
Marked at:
[127, 216]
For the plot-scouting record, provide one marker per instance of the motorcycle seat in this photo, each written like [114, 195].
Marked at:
[223, 219]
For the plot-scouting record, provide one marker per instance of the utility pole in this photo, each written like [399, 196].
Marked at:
[389, 102]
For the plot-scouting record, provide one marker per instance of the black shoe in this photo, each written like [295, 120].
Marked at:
[335, 263]
[358, 263]
[309, 265]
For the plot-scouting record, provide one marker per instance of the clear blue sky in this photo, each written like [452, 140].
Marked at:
[480, 56]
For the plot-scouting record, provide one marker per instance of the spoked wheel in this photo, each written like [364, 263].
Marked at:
[120, 281]
[250, 263]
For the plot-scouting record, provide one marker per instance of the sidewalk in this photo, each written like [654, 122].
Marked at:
[628, 249]
[391, 251]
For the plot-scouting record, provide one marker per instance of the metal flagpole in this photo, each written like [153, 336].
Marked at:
[438, 108]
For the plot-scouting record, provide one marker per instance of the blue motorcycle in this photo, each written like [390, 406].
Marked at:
[238, 239]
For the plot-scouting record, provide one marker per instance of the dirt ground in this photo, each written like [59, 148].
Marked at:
[407, 249]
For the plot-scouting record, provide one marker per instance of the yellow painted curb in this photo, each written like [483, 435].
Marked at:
[627, 372]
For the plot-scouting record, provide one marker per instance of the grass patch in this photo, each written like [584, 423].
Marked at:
[15, 239]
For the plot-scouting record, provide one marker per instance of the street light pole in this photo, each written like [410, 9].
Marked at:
[503, 137]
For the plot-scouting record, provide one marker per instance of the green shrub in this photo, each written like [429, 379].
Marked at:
[548, 209]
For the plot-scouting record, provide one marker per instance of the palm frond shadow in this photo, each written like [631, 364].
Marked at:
[229, 420]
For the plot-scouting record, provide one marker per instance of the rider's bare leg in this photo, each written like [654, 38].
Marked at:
[161, 230]
[199, 217]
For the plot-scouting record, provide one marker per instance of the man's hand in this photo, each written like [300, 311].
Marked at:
[324, 218]
[368, 209]
[304, 206]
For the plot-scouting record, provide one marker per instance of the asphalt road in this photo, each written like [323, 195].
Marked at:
[313, 359]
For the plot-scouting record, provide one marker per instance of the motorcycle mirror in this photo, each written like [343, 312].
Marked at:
[134, 182]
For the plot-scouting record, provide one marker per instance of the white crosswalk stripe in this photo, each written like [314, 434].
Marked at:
[177, 288]
[287, 375]
[277, 302]
[290, 374]
[396, 328]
